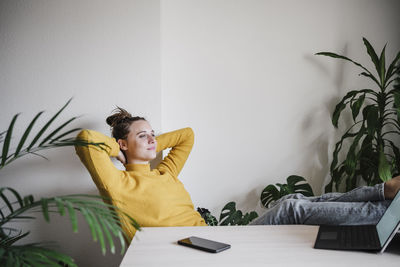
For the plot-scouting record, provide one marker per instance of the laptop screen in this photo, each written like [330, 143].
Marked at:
[389, 220]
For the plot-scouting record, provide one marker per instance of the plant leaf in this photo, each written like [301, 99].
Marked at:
[382, 67]
[396, 152]
[294, 179]
[44, 128]
[45, 209]
[7, 140]
[60, 206]
[373, 55]
[207, 216]
[336, 114]
[227, 210]
[72, 216]
[367, 154]
[231, 216]
[330, 54]
[56, 131]
[15, 194]
[99, 232]
[64, 134]
[269, 194]
[342, 104]
[336, 178]
[34, 255]
[26, 133]
[372, 119]
[108, 236]
[211, 220]
[391, 70]
[372, 77]
[304, 189]
[396, 104]
[338, 147]
[356, 106]
[9, 240]
[351, 158]
[384, 171]
[248, 217]
[28, 200]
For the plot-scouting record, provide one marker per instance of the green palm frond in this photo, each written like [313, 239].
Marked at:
[34, 255]
[42, 140]
[102, 218]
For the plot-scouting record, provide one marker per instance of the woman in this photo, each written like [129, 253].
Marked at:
[157, 198]
[153, 197]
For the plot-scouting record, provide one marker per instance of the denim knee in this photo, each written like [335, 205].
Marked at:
[293, 210]
[290, 211]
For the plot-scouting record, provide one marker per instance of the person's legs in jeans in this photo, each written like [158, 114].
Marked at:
[300, 211]
[363, 205]
[359, 194]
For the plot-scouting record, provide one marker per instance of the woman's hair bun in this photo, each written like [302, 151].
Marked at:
[120, 122]
[120, 116]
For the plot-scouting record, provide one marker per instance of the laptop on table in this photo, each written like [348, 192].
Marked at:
[362, 237]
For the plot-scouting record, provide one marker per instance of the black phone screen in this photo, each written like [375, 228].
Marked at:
[203, 244]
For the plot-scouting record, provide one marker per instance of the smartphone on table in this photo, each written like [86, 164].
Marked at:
[203, 244]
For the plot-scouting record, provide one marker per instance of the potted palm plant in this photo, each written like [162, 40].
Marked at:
[373, 155]
[102, 218]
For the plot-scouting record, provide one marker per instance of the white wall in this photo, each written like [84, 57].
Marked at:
[242, 74]
[102, 53]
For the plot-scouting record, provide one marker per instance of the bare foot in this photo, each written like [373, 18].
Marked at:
[392, 187]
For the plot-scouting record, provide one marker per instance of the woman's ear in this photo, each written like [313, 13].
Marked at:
[123, 145]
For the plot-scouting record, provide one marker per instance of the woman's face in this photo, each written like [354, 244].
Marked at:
[140, 144]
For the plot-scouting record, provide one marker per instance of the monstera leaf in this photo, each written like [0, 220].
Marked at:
[272, 193]
[207, 216]
[231, 216]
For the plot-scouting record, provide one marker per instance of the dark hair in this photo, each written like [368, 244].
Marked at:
[120, 122]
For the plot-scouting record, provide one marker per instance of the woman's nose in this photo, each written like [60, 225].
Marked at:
[150, 138]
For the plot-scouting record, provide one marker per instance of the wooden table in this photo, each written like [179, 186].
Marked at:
[283, 245]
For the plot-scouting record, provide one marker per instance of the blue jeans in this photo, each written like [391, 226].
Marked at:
[363, 205]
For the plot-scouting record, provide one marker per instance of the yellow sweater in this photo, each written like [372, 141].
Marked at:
[152, 197]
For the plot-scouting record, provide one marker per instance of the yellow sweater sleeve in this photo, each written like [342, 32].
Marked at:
[97, 160]
[181, 143]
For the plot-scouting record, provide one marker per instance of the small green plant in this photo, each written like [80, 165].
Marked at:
[207, 216]
[229, 216]
[102, 218]
[272, 193]
[373, 155]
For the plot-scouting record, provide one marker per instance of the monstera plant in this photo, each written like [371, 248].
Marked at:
[295, 184]
[373, 154]
[229, 216]
[101, 217]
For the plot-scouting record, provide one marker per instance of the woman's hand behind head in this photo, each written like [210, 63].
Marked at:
[121, 157]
